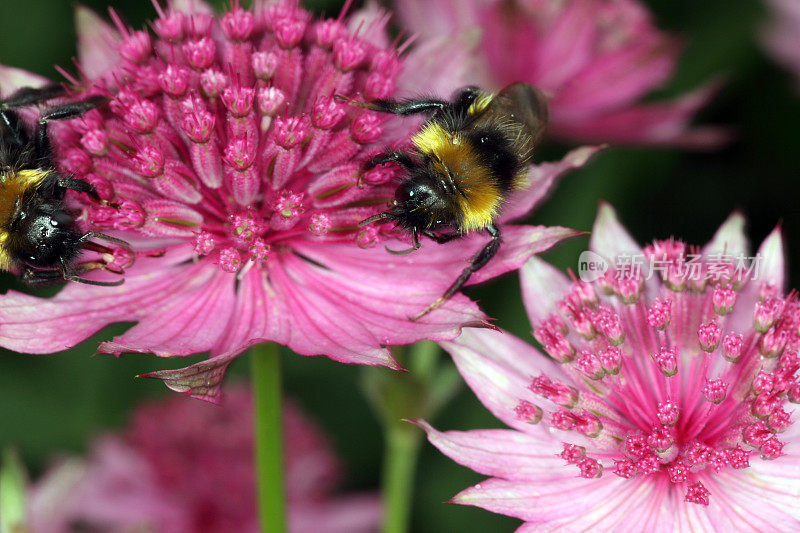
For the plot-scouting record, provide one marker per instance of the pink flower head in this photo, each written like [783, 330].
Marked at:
[596, 59]
[184, 466]
[681, 434]
[227, 163]
[782, 35]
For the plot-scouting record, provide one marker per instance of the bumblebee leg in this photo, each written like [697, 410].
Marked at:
[74, 274]
[22, 98]
[62, 112]
[441, 239]
[400, 107]
[41, 278]
[78, 185]
[414, 247]
[406, 107]
[108, 238]
[478, 262]
[404, 158]
[86, 244]
[13, 124]
[73, 109]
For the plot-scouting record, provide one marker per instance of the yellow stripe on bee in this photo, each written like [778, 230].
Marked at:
[478, 197]
[431, 138]
[480, 103]
[32, 176]
[13, 184]
[5, 260]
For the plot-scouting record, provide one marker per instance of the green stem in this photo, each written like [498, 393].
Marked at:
[266, 370]
[422, 359]
[399, 466]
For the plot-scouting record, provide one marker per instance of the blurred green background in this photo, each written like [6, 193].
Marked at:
[57, 403]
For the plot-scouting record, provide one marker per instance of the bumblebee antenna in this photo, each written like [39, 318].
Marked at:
[386, 215]
[99, 248]
[478, 261]
[75, 274]
[351, 100]
[109, 238]
[86, 281]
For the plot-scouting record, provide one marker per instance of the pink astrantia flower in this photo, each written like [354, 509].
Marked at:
[661, 405]
[187, 466]
[227, 163]
[782, 35]
[594, 58]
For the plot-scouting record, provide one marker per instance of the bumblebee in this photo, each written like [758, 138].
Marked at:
[467, 158]
[38, 236]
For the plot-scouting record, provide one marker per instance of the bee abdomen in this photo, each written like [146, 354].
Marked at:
[492, 147]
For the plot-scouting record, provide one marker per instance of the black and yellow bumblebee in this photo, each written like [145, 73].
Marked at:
[39, 240]
[467, 158]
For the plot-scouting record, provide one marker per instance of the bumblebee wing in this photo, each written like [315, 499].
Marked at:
[528, 105]
[520, 111]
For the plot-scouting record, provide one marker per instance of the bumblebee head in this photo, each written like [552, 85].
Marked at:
[417, 204]
[414, 201]
[48, 237]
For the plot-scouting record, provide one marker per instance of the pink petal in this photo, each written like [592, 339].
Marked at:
[610, 238]
[503, 31]
[431, 19]
[50, 499]
[438, 66]
[370, 22]
[192, 7]
[729, 238]
[543, 286]
[12, 79]
[769, 269]
[201, 380]
[683, 517]
[500, 452]
[203, 307]
[381, 270]
[777, 478]
[498, 367]
[116, 486]
[361, 300]
[662, 123]
[349, 310]
[260, 315]
[773, 484]
[519, 243]
[34, 325]
[541, 178]
[365, 297]
[353, 514]
[572, 503]
[326, 321]
[566, 48]
[781, 36]
[618, 78]
[98, 43]
[772, 265]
